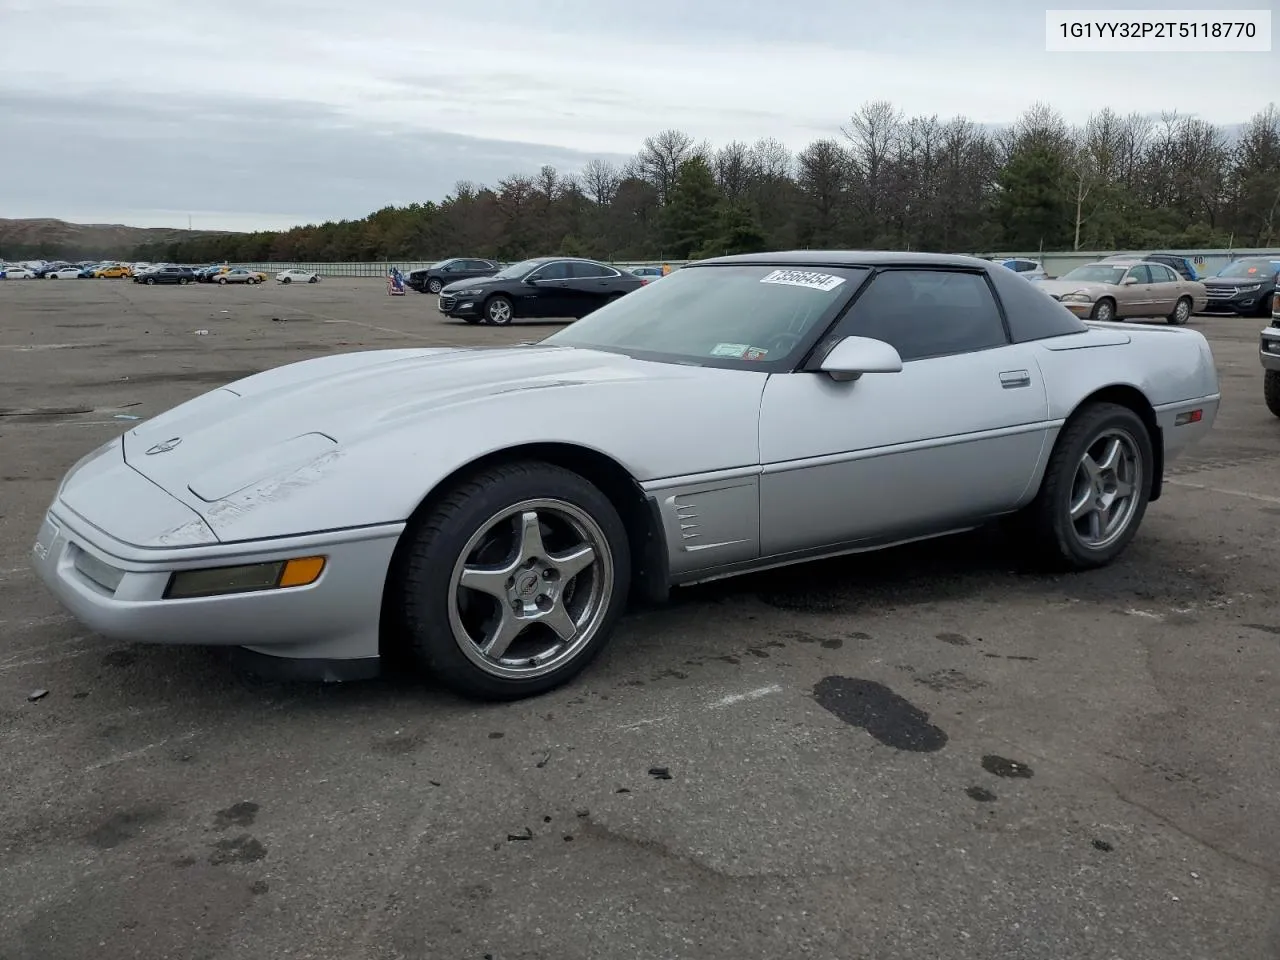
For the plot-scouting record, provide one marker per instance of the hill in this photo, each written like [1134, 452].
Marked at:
[58, 239]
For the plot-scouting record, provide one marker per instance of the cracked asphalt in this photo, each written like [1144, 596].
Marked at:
[929, 752]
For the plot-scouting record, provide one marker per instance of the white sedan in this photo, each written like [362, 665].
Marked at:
[297, 276]
[19, 273]
[66, 273]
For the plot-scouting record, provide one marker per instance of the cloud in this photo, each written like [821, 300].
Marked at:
[325, 108]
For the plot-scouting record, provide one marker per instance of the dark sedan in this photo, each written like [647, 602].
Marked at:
[538, 288]
[182, 275]
[439, 275]
[1244, 287]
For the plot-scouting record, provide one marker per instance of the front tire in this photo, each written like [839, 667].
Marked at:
[287, 280]
[434, 286]
[1271, 390]
[1104, 311]
[1095, 488]
[498, 311]
[223, 281]
[151, 281]
[1181, 312]
[513, 582]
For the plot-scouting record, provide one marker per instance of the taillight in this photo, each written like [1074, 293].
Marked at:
[643, 281]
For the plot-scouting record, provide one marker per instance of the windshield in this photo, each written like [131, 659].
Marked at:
[1097, 273]
[747, 316]
[517, 270]
[1251, 269]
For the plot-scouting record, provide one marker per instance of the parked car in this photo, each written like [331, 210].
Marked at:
[1025, 268]
[240, 275]
[112, 271]
[482, 510]
[297, 276]
[63, 273]
[434, 278]
[1182, 266]
[1125, 289]
[1244, 287]
[541, 287]
[1269, 354]
[209, 274]
[647, 272]
[15, 272]
[179, 275]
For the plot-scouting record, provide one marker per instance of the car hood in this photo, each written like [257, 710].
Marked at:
[1057, 288]
[1233, 282]
[304, 415]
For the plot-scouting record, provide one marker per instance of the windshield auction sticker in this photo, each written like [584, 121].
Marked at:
[804, 278]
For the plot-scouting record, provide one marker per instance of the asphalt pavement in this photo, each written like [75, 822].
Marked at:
[929, 752]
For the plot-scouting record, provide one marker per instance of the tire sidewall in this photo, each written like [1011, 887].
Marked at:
[1100, 418]
[1173, 317]
[426, 595]
[434, 286]
[1110, 308]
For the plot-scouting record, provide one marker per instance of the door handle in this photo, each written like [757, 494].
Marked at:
[1012, 379]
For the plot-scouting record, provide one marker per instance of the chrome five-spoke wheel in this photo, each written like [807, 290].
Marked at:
[530, 589]
[510, 583]
[1103, 497]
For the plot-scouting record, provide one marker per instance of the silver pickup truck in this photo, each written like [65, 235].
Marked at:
[1269, 353]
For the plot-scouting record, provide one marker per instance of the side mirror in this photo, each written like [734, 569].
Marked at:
[853, 356]
[1128, 281]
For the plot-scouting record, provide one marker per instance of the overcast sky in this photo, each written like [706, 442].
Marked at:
[276, 112]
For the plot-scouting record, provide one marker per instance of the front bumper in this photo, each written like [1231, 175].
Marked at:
[453, 305]
[1242, 304]
[1269, 348]
[117, 589]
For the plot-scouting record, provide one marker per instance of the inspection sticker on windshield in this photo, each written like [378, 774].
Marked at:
[804, 278]
[735, 350]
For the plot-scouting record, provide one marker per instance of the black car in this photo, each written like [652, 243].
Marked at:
[433, 278]
[541, 287]
[1244, 287]
[181, 275]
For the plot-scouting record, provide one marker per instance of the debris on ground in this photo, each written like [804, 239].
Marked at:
[201, 333]
[527, 835]
[660, 773]
[35, 695]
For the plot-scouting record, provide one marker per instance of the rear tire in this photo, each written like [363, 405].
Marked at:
[1271, 390]
[1110, 497]
[546, 554]
[1181, 312]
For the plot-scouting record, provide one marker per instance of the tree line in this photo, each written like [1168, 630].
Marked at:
[888, 181]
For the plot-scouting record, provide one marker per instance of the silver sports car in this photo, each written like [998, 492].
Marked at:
[490, 511]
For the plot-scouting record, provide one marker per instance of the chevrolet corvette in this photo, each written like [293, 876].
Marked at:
[489, 512]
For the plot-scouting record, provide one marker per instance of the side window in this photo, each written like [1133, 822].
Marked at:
[1141, 273]
[559, 270]
[583, 271]
[927, 313]
[478, 265]
[453, 266]
[1164, 274]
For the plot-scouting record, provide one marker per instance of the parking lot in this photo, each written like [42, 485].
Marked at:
[1078, 766]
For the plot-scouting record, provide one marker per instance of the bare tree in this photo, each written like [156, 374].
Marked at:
[659, 159]
[734, 168]
[822, 174]
[600, 180]
[872, 133]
